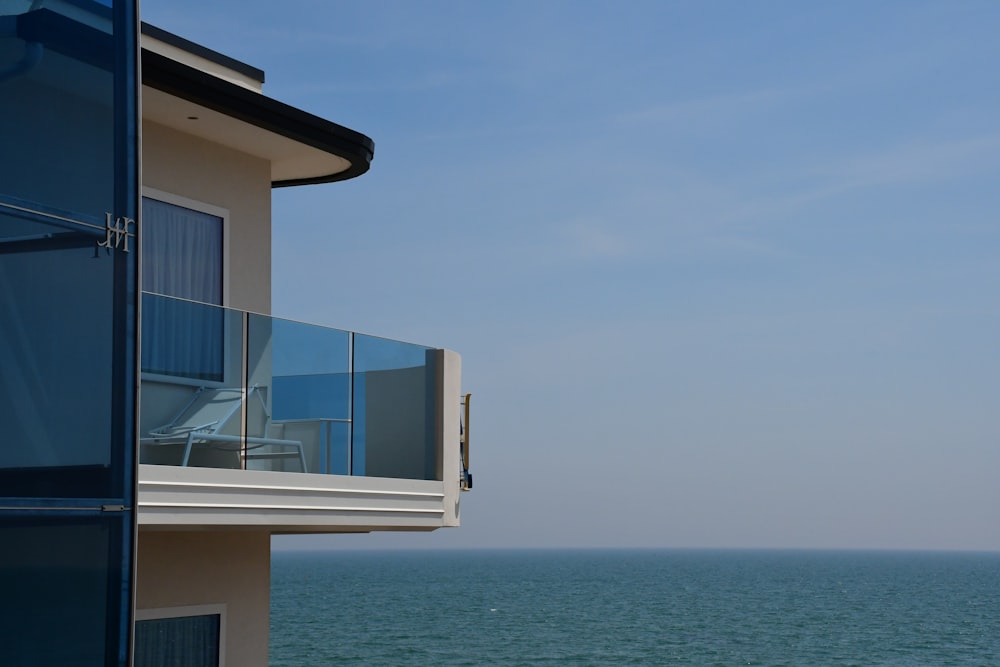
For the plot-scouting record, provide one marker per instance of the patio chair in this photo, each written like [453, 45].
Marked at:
[209, 413]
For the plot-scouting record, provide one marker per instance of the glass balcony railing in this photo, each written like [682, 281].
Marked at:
[223, 388]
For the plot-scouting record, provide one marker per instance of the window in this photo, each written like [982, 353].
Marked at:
[183, 252]
[180, 637]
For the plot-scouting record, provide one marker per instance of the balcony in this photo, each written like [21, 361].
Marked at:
[247, 419]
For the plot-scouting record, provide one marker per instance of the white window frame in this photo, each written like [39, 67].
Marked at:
[201, 207]
[219, 212]
[219, 610]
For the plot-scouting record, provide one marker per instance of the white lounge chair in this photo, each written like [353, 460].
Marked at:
[210, 411]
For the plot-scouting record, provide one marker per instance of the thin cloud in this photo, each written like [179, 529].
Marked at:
[726, 104]
[911, 164]
[593, 241]
[915, 163]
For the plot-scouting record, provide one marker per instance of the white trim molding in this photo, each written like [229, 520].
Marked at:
[176, 496]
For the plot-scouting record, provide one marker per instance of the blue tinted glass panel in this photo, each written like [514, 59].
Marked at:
[308, 366]
[308, 349]
[189, 340]
[359, 432]
[393, 409]
[338, 461]
[57, 352]
[382, 354]
[56, 122]
[188, 641]
[299, 374]
[192, 384]
[61, 583]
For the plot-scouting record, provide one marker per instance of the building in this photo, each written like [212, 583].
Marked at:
[158, 425]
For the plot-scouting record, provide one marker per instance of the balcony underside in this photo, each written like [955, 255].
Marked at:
[174, 497]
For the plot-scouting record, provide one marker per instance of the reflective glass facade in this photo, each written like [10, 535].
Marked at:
[68, 202]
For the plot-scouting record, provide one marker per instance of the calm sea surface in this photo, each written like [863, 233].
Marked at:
[635, 608]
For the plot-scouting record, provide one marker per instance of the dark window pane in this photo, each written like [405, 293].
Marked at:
[56, 120]
[56, 352]
[186, 641]
[61, 585]
[65, 335]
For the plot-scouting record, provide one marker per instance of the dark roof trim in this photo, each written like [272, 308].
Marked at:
[203, 52]
[191, 84]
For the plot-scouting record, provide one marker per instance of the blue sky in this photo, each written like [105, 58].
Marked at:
[722, 274]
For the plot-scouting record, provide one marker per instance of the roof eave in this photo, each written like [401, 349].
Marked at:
[200, 88]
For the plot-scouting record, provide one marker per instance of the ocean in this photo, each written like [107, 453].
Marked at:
[622, 607]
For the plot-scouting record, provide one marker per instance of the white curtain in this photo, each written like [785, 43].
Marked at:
[181, 252]
[182, 258]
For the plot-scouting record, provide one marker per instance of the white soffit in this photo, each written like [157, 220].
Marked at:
[290, 159]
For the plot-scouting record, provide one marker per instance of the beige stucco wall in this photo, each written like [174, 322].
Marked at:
[184, 165]
[176, 569]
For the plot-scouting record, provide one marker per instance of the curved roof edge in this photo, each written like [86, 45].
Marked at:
[204, 89]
